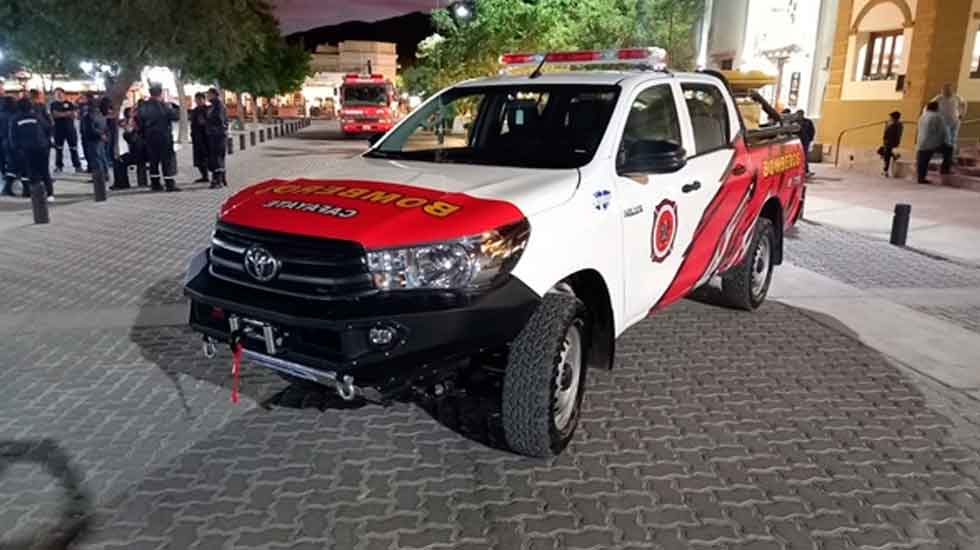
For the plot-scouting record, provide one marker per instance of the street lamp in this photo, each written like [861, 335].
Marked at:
[463, 10]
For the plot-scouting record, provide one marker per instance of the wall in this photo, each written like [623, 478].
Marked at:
[968, 87]
[824, 49]
[727, 34]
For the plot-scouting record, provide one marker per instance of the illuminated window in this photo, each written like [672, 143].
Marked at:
[975, 62]
[883, 55]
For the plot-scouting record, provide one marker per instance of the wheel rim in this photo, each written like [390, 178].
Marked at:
[568, 377]
[760, 266]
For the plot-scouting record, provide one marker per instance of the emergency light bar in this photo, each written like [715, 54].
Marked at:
[653, 57]
[354, 78]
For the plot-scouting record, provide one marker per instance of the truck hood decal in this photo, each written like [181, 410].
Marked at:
[400, 203]
[376, 214]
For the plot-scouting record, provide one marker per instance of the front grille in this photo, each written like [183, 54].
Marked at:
[322, 269]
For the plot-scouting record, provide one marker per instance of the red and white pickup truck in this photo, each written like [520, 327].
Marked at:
[515, 225]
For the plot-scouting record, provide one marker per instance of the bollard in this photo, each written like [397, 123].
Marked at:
[241, 142]
[251, 137]
[282, 128]
[275, 131]
[231, 145]
[261, 135]
[39, 203]
[99, 186]
[900, 224]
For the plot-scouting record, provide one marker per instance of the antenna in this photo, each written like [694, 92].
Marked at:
[537, 70]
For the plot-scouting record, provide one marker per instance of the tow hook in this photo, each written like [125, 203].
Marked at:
[345, 388]
[210, 348]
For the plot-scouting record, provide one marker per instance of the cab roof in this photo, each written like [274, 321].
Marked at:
[597, 78]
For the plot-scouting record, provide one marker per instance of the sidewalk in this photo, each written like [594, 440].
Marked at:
[945, 221]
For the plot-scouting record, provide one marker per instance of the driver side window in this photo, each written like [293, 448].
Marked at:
[653, 123]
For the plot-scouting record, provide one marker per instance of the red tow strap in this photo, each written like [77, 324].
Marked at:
[236, 366]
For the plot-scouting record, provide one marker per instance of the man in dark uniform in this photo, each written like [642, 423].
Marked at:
[199, 136]
[8, 168]
[31, 143]
[63, 113]
[155, 119]
[217, 129]
[47, 126]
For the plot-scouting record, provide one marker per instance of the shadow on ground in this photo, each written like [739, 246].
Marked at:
[75, 511]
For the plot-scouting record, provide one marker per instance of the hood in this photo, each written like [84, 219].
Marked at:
[383, 203]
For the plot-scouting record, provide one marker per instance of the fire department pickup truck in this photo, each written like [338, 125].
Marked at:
[515, 225]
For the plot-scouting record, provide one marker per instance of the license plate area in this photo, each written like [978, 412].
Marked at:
[272, 337]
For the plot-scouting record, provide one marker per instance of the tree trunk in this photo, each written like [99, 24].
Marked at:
[120, 85]
[241, 109]
[182, 124]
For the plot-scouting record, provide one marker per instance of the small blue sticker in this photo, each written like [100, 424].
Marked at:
[601, 199]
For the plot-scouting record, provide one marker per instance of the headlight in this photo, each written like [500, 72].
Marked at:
[469, 263]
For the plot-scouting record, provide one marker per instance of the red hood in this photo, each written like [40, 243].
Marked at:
[373, 213]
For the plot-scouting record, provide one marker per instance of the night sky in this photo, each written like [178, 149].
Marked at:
[301, 15]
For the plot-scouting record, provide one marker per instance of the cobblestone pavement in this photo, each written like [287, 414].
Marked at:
[716, 429]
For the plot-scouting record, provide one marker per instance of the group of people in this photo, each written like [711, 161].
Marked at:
[30, 128]
[938, 132]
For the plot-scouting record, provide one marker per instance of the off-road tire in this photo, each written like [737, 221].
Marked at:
[736, 283]
[529, 379]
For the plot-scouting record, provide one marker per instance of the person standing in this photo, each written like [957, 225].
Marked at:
[7, 165]
[952, 107]
[931, 139]
[95, 135]
[155, 119]
[807, 134]
[199, 136]
[47, 126]
[891, 139]
[217, 130]
[63, 113]
[134, 142]
[31, 144]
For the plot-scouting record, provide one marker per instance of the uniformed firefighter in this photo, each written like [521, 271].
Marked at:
[47, 124]
[217, 130]
[199, 136]
[8, 168]
[30, 143]
[155, 119]
[63, 112]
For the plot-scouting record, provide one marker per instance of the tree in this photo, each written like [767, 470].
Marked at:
[272, 67]
[127, 35]
[462, 50]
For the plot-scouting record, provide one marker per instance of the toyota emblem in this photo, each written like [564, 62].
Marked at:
[261, 265]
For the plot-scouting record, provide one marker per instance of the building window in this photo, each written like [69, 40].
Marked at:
[727, 64]
[975, 62]
[884, 54]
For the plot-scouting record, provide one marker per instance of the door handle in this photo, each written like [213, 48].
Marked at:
[693, 186]
[739, 170]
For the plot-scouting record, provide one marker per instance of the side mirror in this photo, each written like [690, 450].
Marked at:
[374, 138]
[653, 157]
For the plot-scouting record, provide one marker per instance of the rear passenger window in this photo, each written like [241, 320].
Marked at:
[709, 116]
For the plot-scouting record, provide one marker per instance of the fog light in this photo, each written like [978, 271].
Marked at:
[381, 336]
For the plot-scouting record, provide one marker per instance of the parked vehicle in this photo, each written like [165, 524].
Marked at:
[367, 104]
[515, 225]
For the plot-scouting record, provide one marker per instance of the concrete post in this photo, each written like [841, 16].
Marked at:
[261, 135]
[251, 135]
[231, 145]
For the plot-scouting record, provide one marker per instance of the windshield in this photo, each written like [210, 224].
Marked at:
[546, 126]
[366, 95]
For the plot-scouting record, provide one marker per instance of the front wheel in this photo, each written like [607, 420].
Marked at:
[545, 378]
[746, 285]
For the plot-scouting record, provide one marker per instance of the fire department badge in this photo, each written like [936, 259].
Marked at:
[664, 231]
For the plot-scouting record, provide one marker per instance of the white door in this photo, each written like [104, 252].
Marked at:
[662, 211]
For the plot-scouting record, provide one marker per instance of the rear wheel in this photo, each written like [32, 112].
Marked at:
[545, 378]
[746, 285]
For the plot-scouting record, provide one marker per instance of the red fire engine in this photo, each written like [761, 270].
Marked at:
[366, 104]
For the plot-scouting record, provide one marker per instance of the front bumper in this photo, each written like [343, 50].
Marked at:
[312, 337]
[354, 127]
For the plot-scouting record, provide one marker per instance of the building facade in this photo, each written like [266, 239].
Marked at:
[789, 39]
[895, 55]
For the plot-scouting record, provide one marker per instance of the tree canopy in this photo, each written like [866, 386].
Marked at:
[462, 50]
[201, 37]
